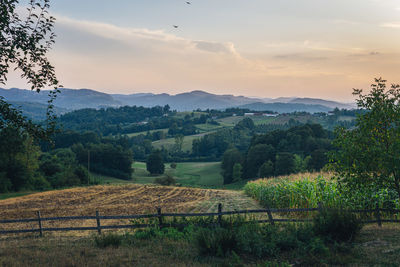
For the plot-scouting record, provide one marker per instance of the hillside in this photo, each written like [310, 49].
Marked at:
[73, 99]
[286, 107]
[69, 99]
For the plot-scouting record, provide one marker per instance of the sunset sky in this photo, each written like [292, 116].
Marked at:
[264, 48]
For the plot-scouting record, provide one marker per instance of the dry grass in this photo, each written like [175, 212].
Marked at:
[116, 200]
[374, 247]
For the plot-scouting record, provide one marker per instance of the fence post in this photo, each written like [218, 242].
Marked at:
[270, 218]
[98, 222]
[40, 223]
[160, 219]
[378, 214]
[219, 214]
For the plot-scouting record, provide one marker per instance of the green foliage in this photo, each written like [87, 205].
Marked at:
[237, 172]
[155, 163]
[165, 180]
[215, 241]
[173, 165]
[369, 154]
[18, 159]
[230, 158]
[337, 225]
[257, 156]
[294, 194]
[106, 158]
[267, 169]
[109, 240]
[260, 241]
[285, 163]
[299, 148]
[25, 41]
[61, 169]
[306, 193]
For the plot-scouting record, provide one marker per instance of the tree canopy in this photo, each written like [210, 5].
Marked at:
[369, 154]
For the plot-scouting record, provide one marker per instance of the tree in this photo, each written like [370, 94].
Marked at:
[179, 143]
[155, 163]
[369, 154]
[284, 163]
[318, 159]
[256, 157]
[230, 158]
[24, 44]
[267, 169]
[237, 172]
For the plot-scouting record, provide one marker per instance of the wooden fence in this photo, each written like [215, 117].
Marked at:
[160, 216]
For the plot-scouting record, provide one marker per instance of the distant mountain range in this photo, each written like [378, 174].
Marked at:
[72, 99]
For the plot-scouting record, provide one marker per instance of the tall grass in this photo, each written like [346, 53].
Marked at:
[307, 192]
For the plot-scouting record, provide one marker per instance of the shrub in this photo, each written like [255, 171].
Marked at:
[166, 180]
[336, 225]
[107, 240]
[215, 241]
[173, 165]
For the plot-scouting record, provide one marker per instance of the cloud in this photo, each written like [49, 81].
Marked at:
[228, 48]
[391, 24]
[132, 36]
[301, 57]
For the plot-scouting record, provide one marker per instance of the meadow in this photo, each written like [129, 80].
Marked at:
[196, 174]
[169, 143]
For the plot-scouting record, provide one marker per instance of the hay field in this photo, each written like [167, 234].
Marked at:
[116, 200]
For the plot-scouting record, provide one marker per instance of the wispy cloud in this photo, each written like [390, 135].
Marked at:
[391, 24]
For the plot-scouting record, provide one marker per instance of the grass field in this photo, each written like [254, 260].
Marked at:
[145, 132]
[169, 143]
[200, 174]
[206, 127]
[374, 246]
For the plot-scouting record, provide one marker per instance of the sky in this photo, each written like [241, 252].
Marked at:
[263, 48]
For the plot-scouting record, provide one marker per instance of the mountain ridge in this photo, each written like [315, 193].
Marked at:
[72, 99]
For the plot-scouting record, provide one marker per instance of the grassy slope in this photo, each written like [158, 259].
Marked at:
[145, 132]
[169, 143]
[204, 174]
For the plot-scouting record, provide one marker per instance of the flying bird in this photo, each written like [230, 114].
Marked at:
[175, 26]
[187, 2]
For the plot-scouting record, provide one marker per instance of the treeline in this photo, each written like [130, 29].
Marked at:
[126, 120]
[105, 155]
[116, 120]
[27, 165]
[279, 152]
[23, 166]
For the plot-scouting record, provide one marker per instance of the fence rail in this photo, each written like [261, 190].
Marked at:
[99, 227]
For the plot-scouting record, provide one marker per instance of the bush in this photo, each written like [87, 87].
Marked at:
[107, 240]
[215, 241]
[336, 225]
[173, 165]
[166, 180]
[259, 241]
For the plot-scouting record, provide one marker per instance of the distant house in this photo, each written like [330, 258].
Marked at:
[249, 114]
[270, 115]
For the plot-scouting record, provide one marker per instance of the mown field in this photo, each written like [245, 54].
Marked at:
[117, 200]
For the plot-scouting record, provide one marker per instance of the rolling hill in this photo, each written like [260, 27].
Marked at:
[73, 99]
